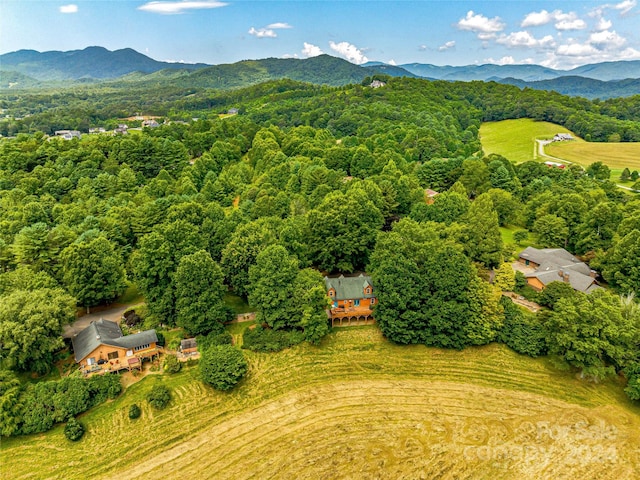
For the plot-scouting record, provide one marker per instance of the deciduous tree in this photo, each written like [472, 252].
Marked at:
[199, 294]
[31, 323]
[484, 241]
[222, 366]
[343, 230]
[591, 333]
[92, 271]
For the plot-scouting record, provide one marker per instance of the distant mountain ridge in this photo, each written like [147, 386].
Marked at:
[29, 68]
[582, 86]
[92, 62]
[604, 72]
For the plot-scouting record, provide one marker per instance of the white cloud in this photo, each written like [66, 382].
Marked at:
[177, 7]
[350, 52]
[486, 36]
[311, 50]
[450, 44]
[575, 24]
[506, 60]
[535, 19]
[524, 39]
[606, 40]
[262, 32]
[71, 8]
[480, 24]
[600, 46]
[576, 50]
[422, 48]
[279, 25]
[269, 30]
[623, 7]
[392, 62]
[626, 6]
[563, 21]
[603, 24]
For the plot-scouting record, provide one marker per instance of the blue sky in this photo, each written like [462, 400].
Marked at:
[559, 34]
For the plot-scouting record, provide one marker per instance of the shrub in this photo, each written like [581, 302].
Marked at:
[222, 366]
[522, 331]
[161, 340]
[174, 344]
[134, 411]
[159, 397]
[554, 292]
[103, 387]
[73, 430]
[131, 318]
[633, 381]
[262, 339]
[213, 339]
[520, 236]
[521, 281]
[172, 364]
[48, 403]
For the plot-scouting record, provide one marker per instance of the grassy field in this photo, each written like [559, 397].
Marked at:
[237, 303]
[515, 139]
[616, 156]
[507, 237]
[355, 407]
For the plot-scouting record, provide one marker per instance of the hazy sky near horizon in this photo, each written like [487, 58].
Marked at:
[559, 34]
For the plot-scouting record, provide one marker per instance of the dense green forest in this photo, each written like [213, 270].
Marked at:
[305, 180]
[83, 107]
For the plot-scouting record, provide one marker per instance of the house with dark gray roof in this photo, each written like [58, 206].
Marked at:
[101, 347]
[352, 299]
[557, 265]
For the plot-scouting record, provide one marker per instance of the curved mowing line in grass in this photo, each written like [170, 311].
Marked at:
[347, 409]
[516, 139]
[337, 430]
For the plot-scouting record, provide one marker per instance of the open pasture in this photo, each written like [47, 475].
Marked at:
[355, 407]
[616, 156]
[516, 139]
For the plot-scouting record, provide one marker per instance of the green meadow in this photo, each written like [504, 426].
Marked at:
[516, 139]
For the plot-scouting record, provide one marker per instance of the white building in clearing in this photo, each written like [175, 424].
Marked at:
[68, 134]
[561, 137]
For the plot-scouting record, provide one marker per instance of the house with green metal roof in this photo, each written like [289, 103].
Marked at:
[352, 299]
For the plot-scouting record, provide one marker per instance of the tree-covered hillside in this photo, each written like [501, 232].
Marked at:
[305, 181]
[289, 103]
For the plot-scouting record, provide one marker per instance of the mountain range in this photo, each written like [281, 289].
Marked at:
[29, 68]
[90, 63]
[606, 71]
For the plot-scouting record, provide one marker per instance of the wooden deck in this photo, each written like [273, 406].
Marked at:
[350, 316]
[114, 366]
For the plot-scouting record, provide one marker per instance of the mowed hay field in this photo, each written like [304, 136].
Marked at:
[616, 156]
[356, 407]
[516, 139]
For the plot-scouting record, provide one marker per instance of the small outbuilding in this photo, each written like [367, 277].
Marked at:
[189, 346]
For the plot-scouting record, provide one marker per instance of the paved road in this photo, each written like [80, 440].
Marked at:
[113, 314]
